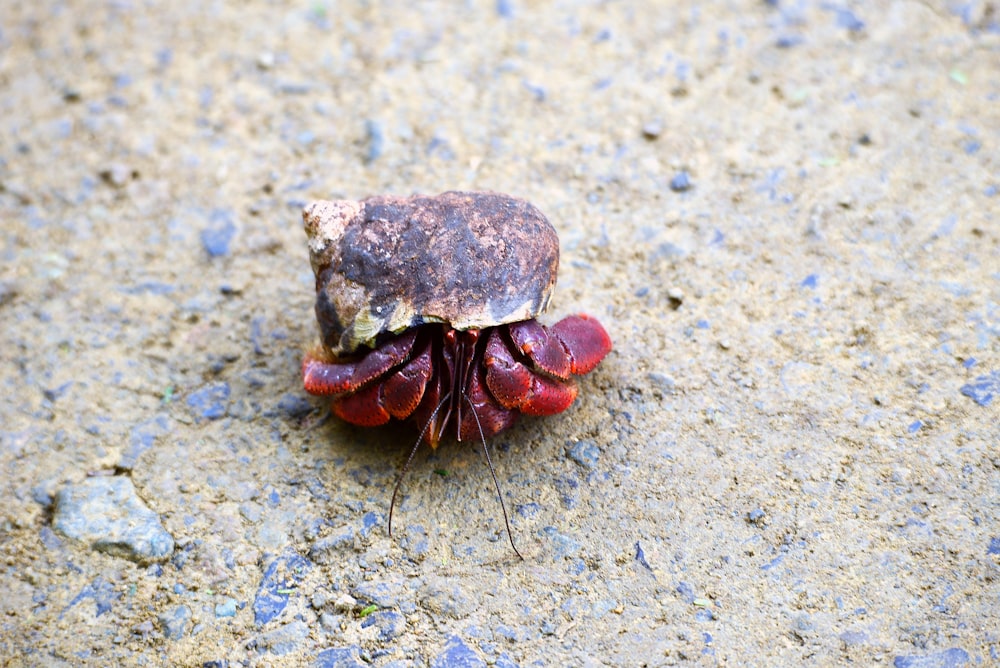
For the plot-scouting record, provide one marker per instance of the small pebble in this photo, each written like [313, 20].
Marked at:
[381, 594]
[369, 521]
[174, 622]
[227, 608]
[101, 592]
[294, 406]
[107, 513]
[681, 182]
[949, 658]
[142, 437]
[265, 60]
[994, 546]
[116, 175]
[983, 389]
[329, 549]
[285, 639]
[527, 509]
[217, 238]
[340, 657]
[537, 90]
[209, 402]
[505, 632]
[652, 129]
[851, 638]
[281, 578]
[345, 603]
[847, 19]
[390, 624]
[457, 654]
[505, 661]
[789, 41]
[585, 453]
[446, 598]
[686, 592]
[562, 545]
[640, 556]
[505, 9]
[415, 541]
[375, 132]
[662, 381]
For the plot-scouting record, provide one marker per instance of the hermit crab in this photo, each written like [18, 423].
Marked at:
[426, 308]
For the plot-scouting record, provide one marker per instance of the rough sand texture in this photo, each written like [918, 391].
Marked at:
[785, 213]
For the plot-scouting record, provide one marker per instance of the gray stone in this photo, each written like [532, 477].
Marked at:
[340, 657]
[329, 549]
[106, 513]
[285, 639]
[382, 594]
[949, 658]
[443, 597]
[174, 622]
[142, 437]
[281, 578]
[390, 624]
[983, 389]
[457, 654]
[585, 453]
[662, 381]
[227, 608]
[415, 542]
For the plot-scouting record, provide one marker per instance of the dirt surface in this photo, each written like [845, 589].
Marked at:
[787, 215]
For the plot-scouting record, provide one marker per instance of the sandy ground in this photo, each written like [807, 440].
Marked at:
[787, 215]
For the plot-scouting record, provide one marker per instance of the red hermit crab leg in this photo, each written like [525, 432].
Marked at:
[322, 376]
[586, 341]
[464, 370]
[535, 342]
[516, 386]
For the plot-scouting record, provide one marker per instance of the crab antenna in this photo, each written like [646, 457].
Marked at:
[413, 451]
[486, 451]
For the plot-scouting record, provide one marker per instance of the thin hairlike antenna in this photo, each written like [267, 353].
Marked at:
[413, 451]
[496, 484]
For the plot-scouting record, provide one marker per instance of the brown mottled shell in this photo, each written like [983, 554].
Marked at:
[468, 259]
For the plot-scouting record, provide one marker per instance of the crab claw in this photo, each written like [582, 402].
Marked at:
[585, 341]
[365, 408]
[485, 414]
[331, 377]
[394, 396]
[509, 380]
[402, 391]
[548, 396]
[514, 385]
[545, 351]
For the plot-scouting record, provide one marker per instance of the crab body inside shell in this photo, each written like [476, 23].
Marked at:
[470, 384]
[427, 309]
